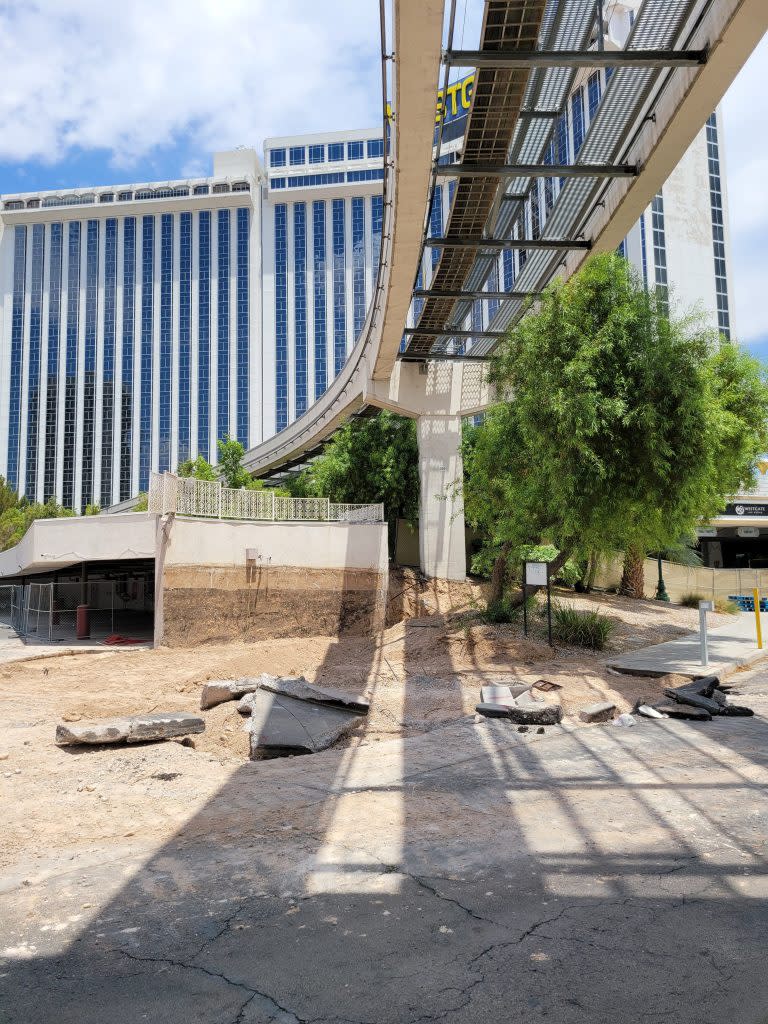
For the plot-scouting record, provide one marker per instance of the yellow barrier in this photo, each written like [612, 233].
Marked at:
[756, 599]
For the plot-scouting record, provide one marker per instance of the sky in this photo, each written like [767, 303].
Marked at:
[95, 93]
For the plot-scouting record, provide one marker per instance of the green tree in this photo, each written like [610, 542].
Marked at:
[230, 467]
[369, 459]
[15, 520]
[620, 430]
[198, 468]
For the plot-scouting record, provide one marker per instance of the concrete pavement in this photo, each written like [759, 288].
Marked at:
[729, 647]
[472, 874]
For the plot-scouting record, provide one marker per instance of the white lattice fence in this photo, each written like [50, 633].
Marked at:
[208, 499]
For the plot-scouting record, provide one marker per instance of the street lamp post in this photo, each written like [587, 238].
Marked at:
[661, 590]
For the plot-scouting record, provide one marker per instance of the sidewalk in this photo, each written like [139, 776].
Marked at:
[730, 646]
[14, 648]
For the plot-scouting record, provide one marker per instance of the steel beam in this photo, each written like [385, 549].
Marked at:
[507, 243]
[443, 293]
[525, 59]
[441, 357]
[488, 170]
[448, 332]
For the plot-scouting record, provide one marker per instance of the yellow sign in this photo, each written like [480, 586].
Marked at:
[455, 103]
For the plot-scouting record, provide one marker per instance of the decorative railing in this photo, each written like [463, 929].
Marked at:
[208, 499]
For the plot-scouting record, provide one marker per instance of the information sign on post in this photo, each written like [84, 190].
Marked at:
[536, 574]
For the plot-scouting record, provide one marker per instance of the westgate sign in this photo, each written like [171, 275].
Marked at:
[742, 509]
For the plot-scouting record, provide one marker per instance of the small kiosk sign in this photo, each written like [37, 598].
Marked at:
[536, 574]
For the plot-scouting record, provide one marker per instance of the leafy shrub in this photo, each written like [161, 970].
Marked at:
[726, 606]
[499, 612]
[570, 574]
[691, 600]
[581, 628]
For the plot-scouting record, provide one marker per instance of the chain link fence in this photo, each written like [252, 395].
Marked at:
[47, 612]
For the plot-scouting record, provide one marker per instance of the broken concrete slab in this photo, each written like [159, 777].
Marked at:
[600, 712]
[491, 710]
[649, 712]
[527, 700]
[302, 689]
[685, 711]
[133, 729]
[282, 725]
[542, 714]
[218, 691]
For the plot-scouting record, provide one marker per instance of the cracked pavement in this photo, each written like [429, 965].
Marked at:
[472, 874]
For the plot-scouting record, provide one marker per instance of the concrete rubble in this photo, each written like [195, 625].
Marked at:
[131, 729]
[282, 725]
[218, 691]
[516, 703]
[600, 712]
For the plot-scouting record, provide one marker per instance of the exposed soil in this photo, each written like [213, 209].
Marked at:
[419, 674]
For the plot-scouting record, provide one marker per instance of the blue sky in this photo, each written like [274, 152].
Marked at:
[100, 93]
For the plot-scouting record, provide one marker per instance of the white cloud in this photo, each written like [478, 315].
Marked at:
[746, 161]
[132, 76]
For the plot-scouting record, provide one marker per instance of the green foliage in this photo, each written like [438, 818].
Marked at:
[691, 600]
[16, 518]
[369, 459]
[93, 510]
[726, 606]
[570, 574]
[620, 428]
[581, 628]
[230, 467]
[142, 502]
[198, 468]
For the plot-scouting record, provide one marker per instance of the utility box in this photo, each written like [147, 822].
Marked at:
[251, 556]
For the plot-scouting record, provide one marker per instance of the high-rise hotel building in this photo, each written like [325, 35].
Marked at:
[141, 323]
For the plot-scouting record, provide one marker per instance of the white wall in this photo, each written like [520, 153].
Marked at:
[306, 545]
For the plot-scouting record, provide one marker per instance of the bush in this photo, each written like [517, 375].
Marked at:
[499, 612]
[726, 606]
[691, 600]
[569, 575]
[581, 628]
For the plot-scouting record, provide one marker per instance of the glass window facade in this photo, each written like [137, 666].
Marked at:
[33, 369]
[358, 266]
[320, 306]
[335, 152]
[185, 335]
[145, 359]
[374, 148]
[243, 331]
[52, 369]
[70, 378]
[281, 317]
[204, 335]
[89, 352]
[660, 250]
[339, 286]
[577, 120]
[300, 306]
[377, 212]
[108, 360]
[166, 343]
[277, 158]
[17, 351]
[593, 93]
[718, 227]
[317, 154]
[371, 174]
[436, 222]
[222, 348]
[355, 150]
[297, 156]
[127, 357]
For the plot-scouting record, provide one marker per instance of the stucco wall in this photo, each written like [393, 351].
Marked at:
[305, 579]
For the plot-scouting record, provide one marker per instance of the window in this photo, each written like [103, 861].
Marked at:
[204, 334]
[436, 223]
[306, 180]
[354, 151]
[145, 193]
[317, 154]
[372, 174]
[277, 183]
[243, 340]
[241, 186]
[89, 363]
[124, 197]
[339, 287]
[358, 266]
[33, 204]
[145, 358]
[298, 155]
[277, 158]
[219, 187]
[593, 93]
[166, 328]
[335, 152]
[33, 358]
[319, 309]
[54, 331]
[281, 317]
[14, 204]
[108, 364]
[222, 389]
[660, 250]
[375, 147]
[300, 306]
[718, 237]
[126, 405]
[577, 120]
[107, 197]
[70, 379]
[201, 190]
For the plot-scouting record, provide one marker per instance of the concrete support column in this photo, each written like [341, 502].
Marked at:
[441, 507]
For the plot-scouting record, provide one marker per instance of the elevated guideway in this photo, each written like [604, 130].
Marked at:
[678, 61]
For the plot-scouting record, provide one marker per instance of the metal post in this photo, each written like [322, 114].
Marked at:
[758, 625]
[549, 608]
[661, 590]
[525, 605]
[704, 607]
